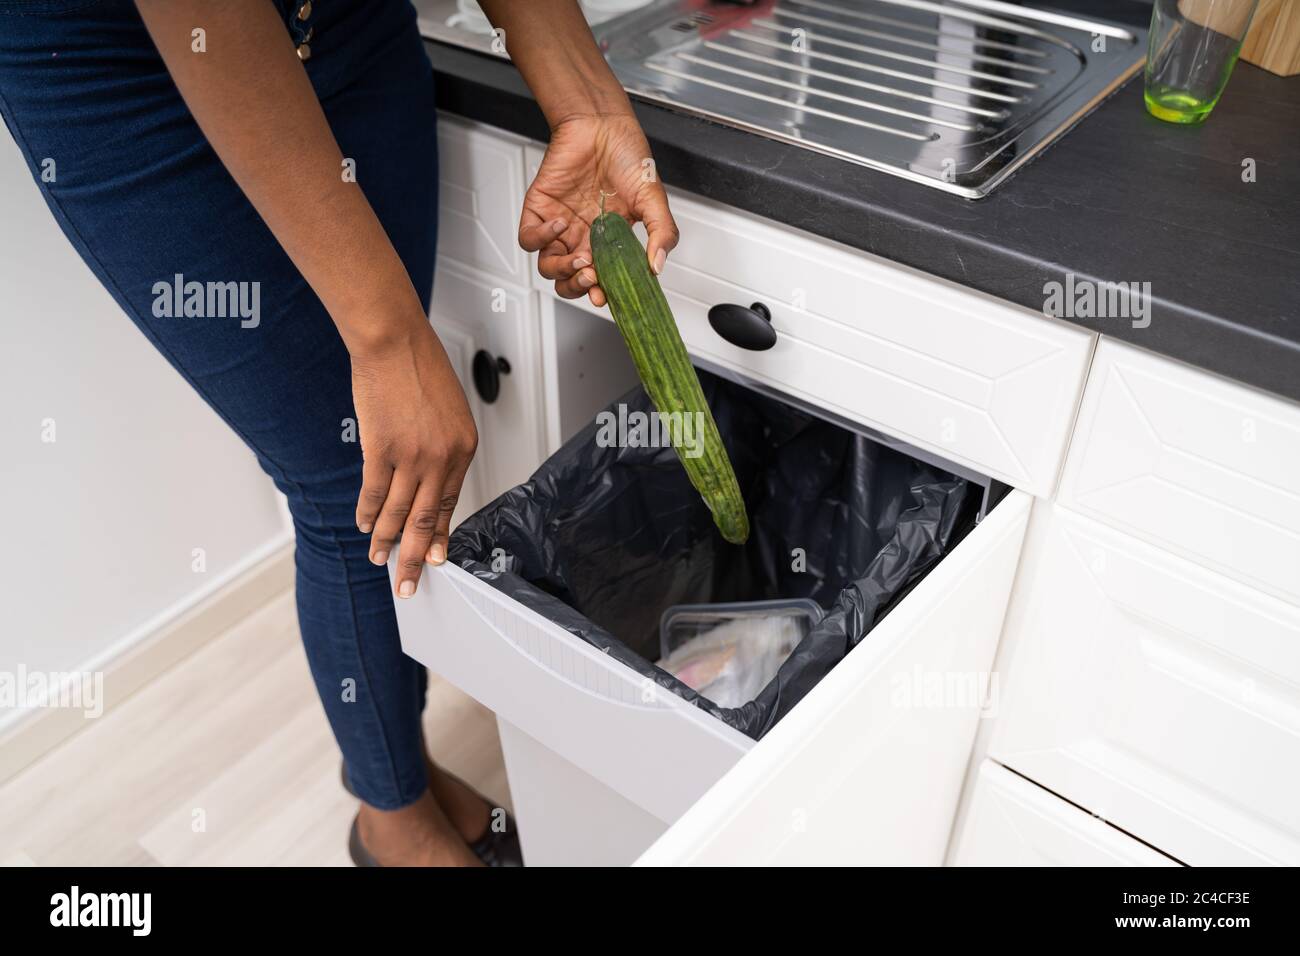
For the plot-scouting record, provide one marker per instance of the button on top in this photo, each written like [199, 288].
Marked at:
[304, 11]
[304, 52]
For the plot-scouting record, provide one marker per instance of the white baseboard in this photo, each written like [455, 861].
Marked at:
[143, 657]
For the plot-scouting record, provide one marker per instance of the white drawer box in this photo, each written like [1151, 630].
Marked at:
[831, 751]
[480, 193]
[660, 754]
[1012, 822]
[1199, 465]
[1160, 695]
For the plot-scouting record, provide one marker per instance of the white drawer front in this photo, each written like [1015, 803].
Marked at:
[480, 194]
[643, 742]
[1194, 463]
[979, 382]
[868, 768]
[1012, 822]
[1161, 696]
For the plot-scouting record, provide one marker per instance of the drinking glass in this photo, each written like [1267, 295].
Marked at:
[1193, 48]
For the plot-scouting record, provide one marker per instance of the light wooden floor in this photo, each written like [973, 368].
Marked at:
[224, 760]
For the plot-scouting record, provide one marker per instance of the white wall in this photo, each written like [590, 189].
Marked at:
[99, 526]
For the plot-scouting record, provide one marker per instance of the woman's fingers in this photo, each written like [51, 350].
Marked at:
[437, 552]
[577, 285]
[418, 534]
[661, 228]
[392, 517]
[536, 233]
[375, 479]
[556, 262]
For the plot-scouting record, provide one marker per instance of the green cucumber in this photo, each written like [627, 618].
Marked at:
[641, 313]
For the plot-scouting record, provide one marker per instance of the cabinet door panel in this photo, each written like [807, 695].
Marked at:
[480, 193]
[1191, 462]
[480, 314]
[1012, 822]
[1160, 695]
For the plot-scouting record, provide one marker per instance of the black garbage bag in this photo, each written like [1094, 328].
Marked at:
[601, 540]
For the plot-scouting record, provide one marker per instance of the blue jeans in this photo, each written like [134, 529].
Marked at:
[143, 198]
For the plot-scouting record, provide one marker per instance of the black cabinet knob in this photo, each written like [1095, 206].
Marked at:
[746, 328]
[487, 372]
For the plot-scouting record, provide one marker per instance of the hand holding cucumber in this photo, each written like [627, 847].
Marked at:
[590, 154]
[596, 178]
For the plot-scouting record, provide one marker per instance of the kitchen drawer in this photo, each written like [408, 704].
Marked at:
[1012, 822]
[473, 313]
[481, 191]
[868, 768]
[637, 746]
[1160, 695]
[982, 383]
[1196, 464]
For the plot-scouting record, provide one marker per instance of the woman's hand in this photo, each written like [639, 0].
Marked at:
[417, 439]
[590, 154]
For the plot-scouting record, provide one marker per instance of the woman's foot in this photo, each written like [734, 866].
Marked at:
[469, 812]
[491, 834]
[415, 835]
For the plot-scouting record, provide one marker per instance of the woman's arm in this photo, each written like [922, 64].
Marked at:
[252, 99]
[596, 145]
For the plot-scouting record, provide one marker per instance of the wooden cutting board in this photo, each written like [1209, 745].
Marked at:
[1273, 41]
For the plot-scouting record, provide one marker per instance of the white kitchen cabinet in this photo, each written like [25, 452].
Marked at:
[1012, 822]
[988, 387]
[474, 313]
[480, 194]
[1162, 696]
[1149, 663]
[1193, 463]
[868, 768]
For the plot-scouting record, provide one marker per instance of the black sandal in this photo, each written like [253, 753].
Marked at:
[356, 849]
[494, 848]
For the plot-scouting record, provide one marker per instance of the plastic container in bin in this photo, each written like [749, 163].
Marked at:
[601, 540]
[684, 622]
[728, 652]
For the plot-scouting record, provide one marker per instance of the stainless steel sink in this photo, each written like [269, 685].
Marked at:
[955, 94]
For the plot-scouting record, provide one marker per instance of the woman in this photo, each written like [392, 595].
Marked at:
[290, 145]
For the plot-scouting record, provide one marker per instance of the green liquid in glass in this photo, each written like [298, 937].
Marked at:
[1178, 106]
[1175, 104]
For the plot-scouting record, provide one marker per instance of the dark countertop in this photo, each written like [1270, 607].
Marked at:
[1122, 197]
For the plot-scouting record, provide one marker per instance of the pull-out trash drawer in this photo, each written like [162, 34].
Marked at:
[548, 613]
